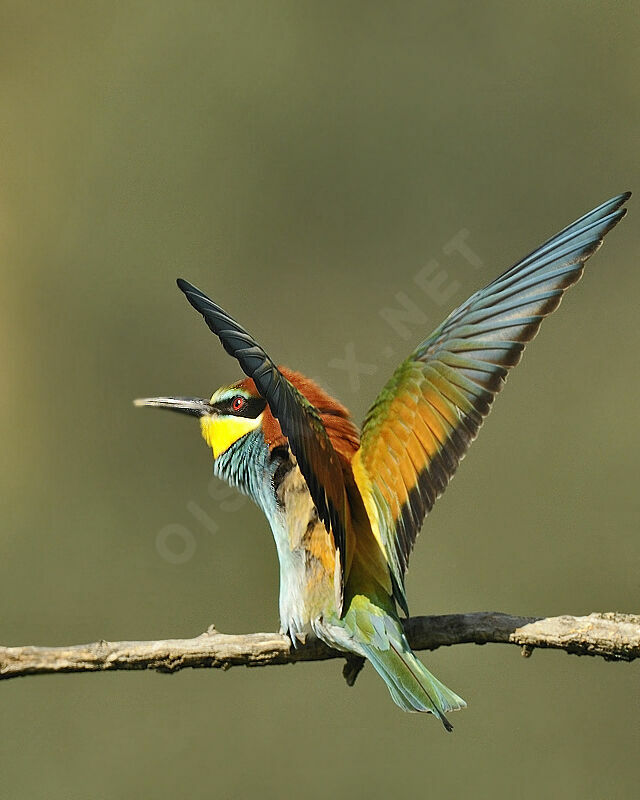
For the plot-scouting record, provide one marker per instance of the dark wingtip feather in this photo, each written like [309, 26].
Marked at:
[615, 204]
[185, 286]
[191, 292]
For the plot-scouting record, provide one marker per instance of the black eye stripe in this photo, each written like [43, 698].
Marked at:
[253, 407]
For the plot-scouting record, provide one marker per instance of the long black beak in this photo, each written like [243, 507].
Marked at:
[185, 405]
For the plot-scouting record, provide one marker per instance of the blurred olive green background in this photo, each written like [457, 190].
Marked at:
[302, 162]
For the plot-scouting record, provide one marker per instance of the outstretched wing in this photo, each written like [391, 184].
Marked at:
[299, 420]
[427, 415]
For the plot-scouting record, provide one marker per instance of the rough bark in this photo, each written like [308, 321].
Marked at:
[613, 636]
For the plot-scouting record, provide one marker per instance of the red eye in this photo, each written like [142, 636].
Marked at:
[238, 403]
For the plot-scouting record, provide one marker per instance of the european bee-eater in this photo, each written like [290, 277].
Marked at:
[345, 506]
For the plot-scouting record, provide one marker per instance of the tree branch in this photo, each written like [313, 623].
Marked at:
[612, 636]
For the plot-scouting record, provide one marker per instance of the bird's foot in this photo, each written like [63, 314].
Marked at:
[352, 667]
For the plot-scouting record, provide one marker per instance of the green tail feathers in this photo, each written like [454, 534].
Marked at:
[410, 683]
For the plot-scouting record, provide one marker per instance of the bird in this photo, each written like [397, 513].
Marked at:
[345, 505]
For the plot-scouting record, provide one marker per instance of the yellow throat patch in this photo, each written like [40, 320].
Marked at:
[220, 432]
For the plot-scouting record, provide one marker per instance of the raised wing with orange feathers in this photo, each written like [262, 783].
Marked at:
[427, 415]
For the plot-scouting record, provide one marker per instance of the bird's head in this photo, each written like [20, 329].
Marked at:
[234, 411]
[229, 414]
